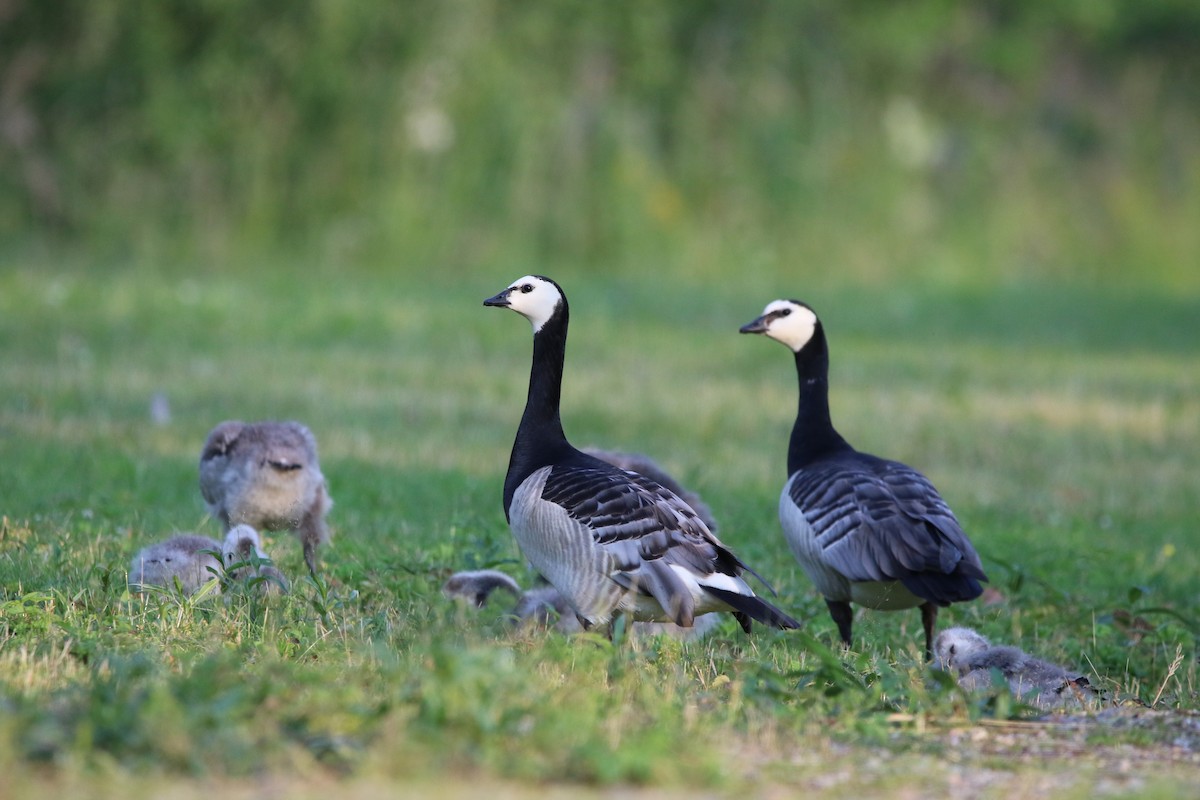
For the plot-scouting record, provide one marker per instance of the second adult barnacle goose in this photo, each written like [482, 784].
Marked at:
[866, 530]
[609, 540]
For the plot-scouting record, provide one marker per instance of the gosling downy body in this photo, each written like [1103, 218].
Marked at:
[545, 605]
[973, 658]
[478, 585]
[186, 558]
[266, 475]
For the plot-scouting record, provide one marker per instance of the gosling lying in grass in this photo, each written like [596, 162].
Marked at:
[187, 559]
[545, 606]
[192, 561]
[266, 475]
[973, 659]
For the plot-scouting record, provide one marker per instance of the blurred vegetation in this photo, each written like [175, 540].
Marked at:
[968, 142]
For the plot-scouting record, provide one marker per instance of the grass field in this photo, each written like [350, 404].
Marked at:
[1061, 422]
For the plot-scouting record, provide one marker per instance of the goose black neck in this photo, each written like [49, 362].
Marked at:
[813, 435]
[540, 438]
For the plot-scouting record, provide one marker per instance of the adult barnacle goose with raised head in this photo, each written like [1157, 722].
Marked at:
[609, 540]
[866, 530]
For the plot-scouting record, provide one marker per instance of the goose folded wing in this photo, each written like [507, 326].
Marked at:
[647, 531]
[917, 498]
[619, 506]
[872, 528]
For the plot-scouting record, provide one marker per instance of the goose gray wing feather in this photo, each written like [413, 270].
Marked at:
[881, 520]
[637, 520]
[650, 544]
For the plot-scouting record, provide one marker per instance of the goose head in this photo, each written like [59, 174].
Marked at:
[534, 297]
[789, 322]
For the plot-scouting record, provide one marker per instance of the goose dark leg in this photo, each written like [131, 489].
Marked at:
[929, 614]
[310, 554]
[312, 532]
[843, 616]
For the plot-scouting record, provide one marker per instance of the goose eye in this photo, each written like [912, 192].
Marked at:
[526, 288]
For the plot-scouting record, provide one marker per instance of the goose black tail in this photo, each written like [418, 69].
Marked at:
[941, 589]
[747, 607]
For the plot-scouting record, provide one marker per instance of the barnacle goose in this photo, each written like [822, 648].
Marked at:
[608, 540]
[266, 475]
[972, 658]
[865, 529]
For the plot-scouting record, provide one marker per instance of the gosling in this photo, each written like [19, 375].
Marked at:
[972, 657]
[187, 559]
[266, 475]
[545, 606]
[245, 561]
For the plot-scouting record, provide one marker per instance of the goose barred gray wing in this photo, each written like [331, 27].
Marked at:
[654, 543]
[879, 520]
[622, 507]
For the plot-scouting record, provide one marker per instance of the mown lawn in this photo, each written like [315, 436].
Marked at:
[1061, 422]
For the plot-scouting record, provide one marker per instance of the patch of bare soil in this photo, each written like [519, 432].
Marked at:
[1115, 750]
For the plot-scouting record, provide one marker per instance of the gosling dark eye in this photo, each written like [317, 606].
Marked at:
[526, 288]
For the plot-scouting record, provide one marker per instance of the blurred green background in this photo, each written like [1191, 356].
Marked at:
[294, 208]
[963, 143]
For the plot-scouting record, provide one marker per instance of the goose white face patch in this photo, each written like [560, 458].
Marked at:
[790, 323]
[535, 299]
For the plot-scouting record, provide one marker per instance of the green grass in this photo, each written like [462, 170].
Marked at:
[1062, 423]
